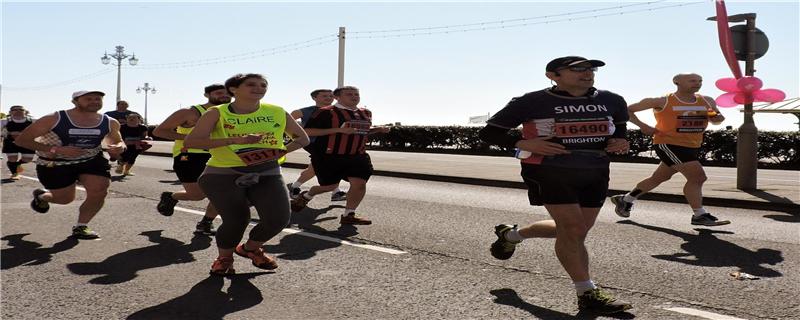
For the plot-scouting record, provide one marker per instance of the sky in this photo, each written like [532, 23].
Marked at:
[450, 61]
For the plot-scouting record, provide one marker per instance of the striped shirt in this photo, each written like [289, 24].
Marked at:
[336, 117]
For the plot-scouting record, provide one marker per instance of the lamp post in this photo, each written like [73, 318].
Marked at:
[147, 88]
[119, 55]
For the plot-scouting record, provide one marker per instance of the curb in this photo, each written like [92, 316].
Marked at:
[790, 208]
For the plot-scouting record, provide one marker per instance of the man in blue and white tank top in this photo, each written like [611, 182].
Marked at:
[68, 143]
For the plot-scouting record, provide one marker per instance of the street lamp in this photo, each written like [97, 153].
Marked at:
[119, 55]
[147, 88]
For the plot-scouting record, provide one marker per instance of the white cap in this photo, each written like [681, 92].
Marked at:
[78, 94]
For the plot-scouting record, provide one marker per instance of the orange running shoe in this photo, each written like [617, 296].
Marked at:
[259, 258]
[222, 266]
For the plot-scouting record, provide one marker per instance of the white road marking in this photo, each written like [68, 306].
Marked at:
[702, 314]
[292, 231]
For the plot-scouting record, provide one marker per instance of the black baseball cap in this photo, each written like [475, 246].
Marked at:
[568, 61]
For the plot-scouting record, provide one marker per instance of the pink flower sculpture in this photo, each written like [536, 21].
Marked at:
[739, 90]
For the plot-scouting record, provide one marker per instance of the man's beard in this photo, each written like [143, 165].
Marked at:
[219, 101]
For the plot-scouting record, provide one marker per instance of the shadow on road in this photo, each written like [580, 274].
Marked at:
[705, 249]
[172, 182]
[510, 297]
[783, 218]
[29, 253]
[298, 247]
[124, 266]
[207, 300]
[7, 180]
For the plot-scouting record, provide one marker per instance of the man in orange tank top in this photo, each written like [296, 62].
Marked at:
[681, 119]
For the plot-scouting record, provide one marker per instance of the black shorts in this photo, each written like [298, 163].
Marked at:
[557, 185]
[331, 169]
[672, 154]
[57, 177]
[129, 155]
[189, 166]
[10, 148]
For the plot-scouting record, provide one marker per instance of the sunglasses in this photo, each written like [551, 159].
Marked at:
[580, 69]
[16, 109]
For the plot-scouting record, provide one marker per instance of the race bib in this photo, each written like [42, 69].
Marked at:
[362, 126]
[258, 156]
[691, 123]
[581, 128]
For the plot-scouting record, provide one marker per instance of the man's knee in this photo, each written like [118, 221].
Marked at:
[573, 231]
[697, 178]
[62, 197]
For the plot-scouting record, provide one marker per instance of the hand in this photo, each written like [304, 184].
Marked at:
[648, 130]
[347, 130]
[248, 139]
[114, 151]
[618, 146]
[541, 147]
[70, 151]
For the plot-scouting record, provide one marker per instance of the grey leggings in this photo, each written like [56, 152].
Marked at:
[269, 196]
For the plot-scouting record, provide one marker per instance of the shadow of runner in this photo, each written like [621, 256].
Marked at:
[783, 218]
[298, 247]
[124, 266]
[510, 297]
[29, 253]
[705, 249]
[207, 300]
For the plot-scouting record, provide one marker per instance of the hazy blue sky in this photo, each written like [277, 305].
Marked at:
[437, 79]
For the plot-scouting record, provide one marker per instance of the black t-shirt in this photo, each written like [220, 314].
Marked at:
[582, 124]
[119, 115]
[132, 134]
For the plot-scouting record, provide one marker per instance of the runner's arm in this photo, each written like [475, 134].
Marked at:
[36, 129]
[166, 129]
[646, 103]
[299, 136]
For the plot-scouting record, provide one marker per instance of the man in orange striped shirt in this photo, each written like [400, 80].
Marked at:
[681, 119]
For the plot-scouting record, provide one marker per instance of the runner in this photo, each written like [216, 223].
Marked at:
[568, 129]
[681, 119]
[17, 120]
[245, 139]
[339, 151]
[322, 98]
[121, 115]
[134, 133]
[68, 144]
[188, 163]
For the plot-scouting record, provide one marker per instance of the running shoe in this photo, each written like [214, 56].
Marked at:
[503, 249]
[260, 259]
[299, 203]
[293, 192]
[601, 302]
[118, 169]
[38, 205]
[622, 207]
[128, 173]
[222, 266]
[708, 220]
[83, 232]
[15, 176]
[339, 196]
[167, 204]
[205, 228]
[352, 219]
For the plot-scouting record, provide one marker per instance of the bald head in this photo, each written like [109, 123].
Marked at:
[688, 82]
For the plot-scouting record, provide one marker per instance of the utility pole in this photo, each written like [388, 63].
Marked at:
[747, 137]
[119, 55]
[340, 78]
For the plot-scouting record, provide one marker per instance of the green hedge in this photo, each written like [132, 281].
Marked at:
[775, 149]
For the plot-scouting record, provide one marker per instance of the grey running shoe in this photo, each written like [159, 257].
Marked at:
[503, 249]
[339, 196]
[38, 205]
[83, 232]
[293, 192]
[708, 220]
[601, 302]
[299, 203]
[205, 228]
[621, 207]
[167, 204]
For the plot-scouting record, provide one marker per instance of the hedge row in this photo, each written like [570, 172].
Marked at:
[775, 149]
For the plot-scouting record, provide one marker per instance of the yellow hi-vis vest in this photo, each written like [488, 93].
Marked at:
[177, 147]
[269, 121]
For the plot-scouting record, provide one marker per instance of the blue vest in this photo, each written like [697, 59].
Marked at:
[81, 137]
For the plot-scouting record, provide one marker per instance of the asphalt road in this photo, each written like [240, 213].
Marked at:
[425, 256]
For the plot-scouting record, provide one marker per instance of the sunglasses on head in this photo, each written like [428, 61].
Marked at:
[580, 68]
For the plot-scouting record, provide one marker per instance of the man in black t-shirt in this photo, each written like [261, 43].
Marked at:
[121, 114]
[567, 131]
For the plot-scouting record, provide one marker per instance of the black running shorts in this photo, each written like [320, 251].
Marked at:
[331, 169]
[559, 185]
[57, 177]
[10, 148]
[672, 154]
[189, 166]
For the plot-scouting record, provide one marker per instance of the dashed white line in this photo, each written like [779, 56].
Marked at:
[702, 314]
[293, 231]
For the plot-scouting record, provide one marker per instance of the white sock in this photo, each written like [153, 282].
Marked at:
[337, 190]
[296, 184]
[699, 212]
[629, 198]
[347, 212]
[513, 235]
[583, 286]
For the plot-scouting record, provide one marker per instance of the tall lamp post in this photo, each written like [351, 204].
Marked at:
[119, 55]
[147, 88]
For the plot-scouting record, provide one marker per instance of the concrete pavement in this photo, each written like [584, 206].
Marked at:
[779, 190]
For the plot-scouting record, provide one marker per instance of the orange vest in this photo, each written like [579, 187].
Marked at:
[681, 123]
